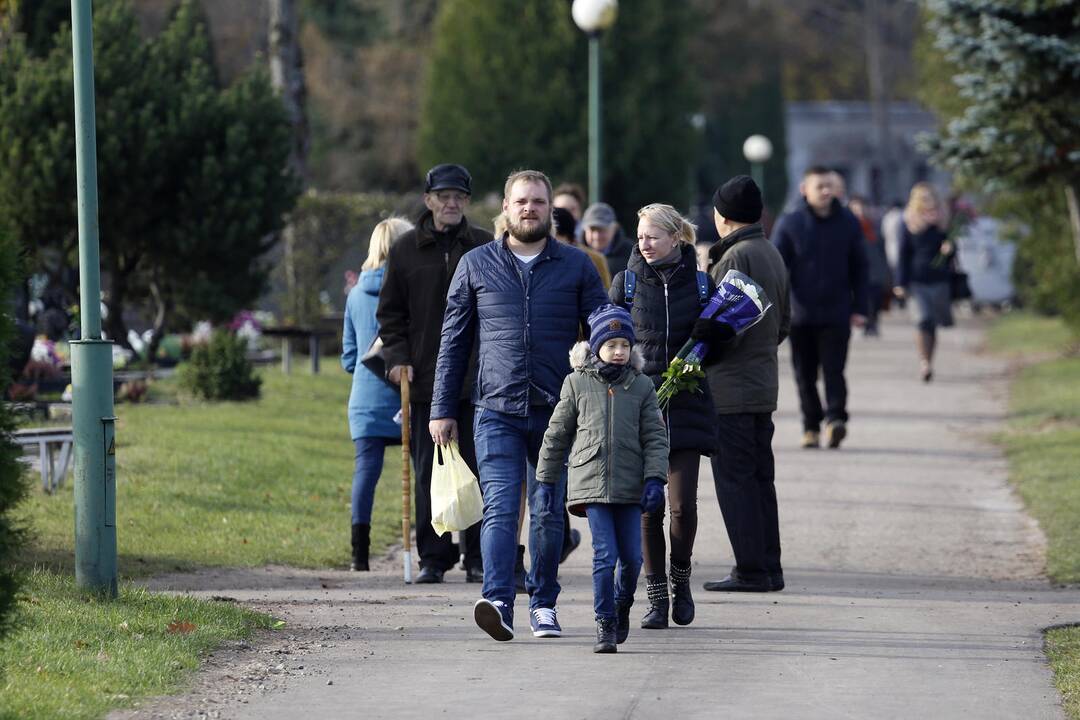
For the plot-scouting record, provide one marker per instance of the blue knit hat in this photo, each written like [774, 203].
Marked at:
[609, 321]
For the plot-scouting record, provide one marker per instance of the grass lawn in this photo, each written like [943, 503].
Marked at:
[230, 484]
[198, 484]
[1063, 649]
[74, 656]
[1042, 445]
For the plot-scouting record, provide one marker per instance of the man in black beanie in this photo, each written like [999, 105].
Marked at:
[744, 380]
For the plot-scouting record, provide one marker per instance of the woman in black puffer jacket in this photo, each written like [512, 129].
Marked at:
[667, 294]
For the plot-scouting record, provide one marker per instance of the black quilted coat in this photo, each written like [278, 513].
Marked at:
[662, 323]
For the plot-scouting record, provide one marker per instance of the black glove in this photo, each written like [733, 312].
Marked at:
[711, 331]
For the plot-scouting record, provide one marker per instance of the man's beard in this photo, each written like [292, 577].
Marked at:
[538, 232]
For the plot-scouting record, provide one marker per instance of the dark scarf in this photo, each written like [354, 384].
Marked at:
[609, 372]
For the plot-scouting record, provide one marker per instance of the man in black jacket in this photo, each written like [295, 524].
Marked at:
[744, 380]
[410, 314]
[822, 245]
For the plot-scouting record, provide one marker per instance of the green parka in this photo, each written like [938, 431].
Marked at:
[614, 433]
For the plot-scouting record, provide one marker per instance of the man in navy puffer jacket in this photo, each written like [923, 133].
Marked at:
[524, 297]
[822, 245]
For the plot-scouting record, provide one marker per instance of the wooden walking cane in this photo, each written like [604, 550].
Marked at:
[405, 479]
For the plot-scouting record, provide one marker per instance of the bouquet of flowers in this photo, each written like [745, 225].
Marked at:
[738, 303]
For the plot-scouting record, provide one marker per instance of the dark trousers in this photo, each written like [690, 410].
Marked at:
[682, 490]
[823, 347]
[439, 551]
[744, 473]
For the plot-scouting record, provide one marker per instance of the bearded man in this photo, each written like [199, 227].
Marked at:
[524, 298]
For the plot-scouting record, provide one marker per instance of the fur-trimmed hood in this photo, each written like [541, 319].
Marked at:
[581, 354]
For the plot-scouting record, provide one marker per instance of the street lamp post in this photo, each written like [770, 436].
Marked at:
[91, 355]
[594, 17]
[757, 149]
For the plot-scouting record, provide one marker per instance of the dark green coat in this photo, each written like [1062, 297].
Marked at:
[613, 432]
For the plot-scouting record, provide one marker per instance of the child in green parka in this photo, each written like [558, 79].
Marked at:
[609, 423]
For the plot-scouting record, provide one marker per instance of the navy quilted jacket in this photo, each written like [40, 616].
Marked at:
[524, 338]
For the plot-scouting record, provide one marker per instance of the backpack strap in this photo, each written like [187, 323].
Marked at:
[629, 286]
[703, 286]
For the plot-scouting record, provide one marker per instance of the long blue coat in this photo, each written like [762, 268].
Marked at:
[372, 402]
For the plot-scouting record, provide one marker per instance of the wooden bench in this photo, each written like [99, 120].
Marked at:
[289, 332]
[48, 442]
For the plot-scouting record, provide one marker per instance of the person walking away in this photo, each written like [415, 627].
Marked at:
[664, 293]
[603, 234]
[608, 421]
[878, 277]
[411, 306]
[744, 379]
[823, 248]
[372, 402]
[523, 298]
[923, 275]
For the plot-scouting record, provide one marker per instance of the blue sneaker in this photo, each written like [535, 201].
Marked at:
[544, 623]
[494, 618]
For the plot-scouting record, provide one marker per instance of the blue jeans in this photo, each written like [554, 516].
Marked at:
[369, 464]
[616, 536]
[506, 451]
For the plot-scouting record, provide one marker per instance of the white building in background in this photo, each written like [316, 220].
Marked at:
[840, 135]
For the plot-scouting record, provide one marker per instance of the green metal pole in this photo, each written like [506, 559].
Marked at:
[595, 183]
[91, 356]
[757, 171]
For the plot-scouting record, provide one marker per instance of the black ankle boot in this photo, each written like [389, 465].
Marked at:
[622, 622]
[682, 604]
[605, 636]
[519, 570]
[656, 618]
[361, 542]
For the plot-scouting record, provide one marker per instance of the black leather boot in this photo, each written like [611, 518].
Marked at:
[622, 622]
[361, 542]
[605, 636]
[682, 604]
[656, 617]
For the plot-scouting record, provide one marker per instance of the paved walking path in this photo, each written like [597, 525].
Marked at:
[914, 588]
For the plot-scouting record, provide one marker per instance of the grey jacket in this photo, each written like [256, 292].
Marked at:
[614, 434]
[744, 373]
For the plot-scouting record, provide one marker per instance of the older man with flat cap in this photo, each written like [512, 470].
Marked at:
[410, 314]
[603, 234]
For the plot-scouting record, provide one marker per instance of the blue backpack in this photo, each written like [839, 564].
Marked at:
[630, 285]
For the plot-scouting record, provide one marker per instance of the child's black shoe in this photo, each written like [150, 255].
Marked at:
[605, 636]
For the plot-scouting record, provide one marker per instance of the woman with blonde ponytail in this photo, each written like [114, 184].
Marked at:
[923, 274]
[664, 292]
[372, 402]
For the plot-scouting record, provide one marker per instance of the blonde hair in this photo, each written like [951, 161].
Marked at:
[670, 221]
[499, 225]
[382, 237]
[923, 198]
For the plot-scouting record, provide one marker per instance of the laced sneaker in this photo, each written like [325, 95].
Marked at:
[494, 618]
[544, 623]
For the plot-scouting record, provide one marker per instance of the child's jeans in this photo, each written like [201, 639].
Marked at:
[616, 537]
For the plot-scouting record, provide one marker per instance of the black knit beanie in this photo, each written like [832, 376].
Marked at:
[739, 199]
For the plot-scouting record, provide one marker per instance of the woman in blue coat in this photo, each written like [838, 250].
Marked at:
[373, 402]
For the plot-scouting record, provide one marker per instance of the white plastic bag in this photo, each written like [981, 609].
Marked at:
[456, 502]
